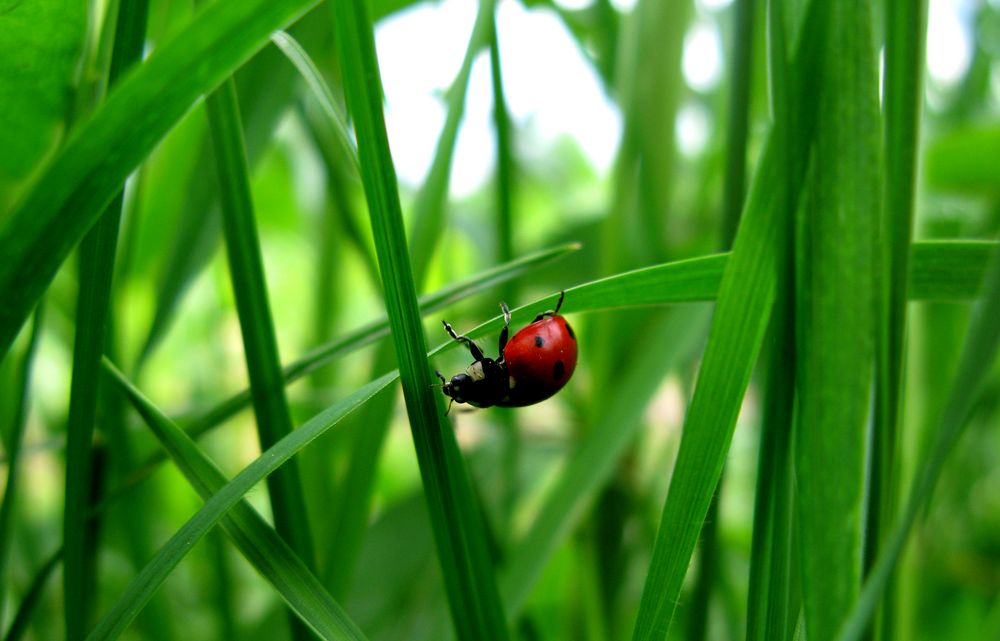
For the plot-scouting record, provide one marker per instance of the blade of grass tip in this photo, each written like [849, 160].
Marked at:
[70, 194]
[462, 552]
[14, 443]
[904, 64]
[260, 344]
[741, 317]
[978, 355]
[255, 539]
[298, 56]
[97, 260]
[429, 207]
[146, 583]
[836, 328]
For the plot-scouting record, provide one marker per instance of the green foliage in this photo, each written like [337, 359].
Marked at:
[753, 440]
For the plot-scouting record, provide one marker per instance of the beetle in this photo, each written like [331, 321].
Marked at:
[531, 367]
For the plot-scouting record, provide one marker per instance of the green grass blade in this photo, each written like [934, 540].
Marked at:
[298, 56]
[835, 324]
[593, 465]
[260, 343]
[97, 263]
[462, 552]
[429, 208]
[19, 626]
[70, 194]
[744, 304]
[142, 588]
[13, 442]
[256, 540]
[978, 355]
[904, 68]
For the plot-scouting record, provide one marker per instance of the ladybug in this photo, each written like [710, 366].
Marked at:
[535, 364]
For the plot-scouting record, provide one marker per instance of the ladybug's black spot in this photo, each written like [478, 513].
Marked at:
[558, 370]
[538, 341]
[569, 330]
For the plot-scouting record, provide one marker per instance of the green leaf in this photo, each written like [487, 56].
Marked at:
[69, 196]
[41, 49]
[142, 588]
[256, 540]
[459, 535]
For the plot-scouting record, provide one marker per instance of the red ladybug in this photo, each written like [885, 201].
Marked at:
[535, 364]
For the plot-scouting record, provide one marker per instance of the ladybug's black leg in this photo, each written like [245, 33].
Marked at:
[551, 312]
[505, 331]
[477, 353]
[443, 381]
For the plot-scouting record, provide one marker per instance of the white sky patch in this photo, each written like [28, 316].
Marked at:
[693, 130]
[714, 5]
[949, 45]
[573, 5]
[702, 63]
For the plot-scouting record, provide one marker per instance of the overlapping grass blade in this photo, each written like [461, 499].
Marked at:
[461, 544]
[19, 626]
[835, 325]
[260, 343]
[142, 588]
[904, 65]
[70, 194]
[97, 266]
[982, 344]
[256, 540]
[746, 294]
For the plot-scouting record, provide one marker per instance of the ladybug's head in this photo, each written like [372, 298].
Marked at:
[458, 387]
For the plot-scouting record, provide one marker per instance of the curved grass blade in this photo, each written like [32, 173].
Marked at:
[19, 626]
[83, 177]
[142, 588]
[982, 344]
[298, 56]
[256, 540]
[458, 531]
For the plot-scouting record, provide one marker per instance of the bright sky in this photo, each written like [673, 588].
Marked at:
[550, 88]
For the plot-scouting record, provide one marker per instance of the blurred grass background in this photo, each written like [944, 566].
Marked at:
[636, 132]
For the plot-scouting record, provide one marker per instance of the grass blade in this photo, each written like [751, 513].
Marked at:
[256, 540]
[462, 551]
[97, 264]
[260, 344]
[70, 194]
[142, 588]
[744, 304]
[835, 327]
[978, 355]
[13, 442]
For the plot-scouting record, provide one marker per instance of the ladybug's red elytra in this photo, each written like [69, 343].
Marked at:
[532, 366]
